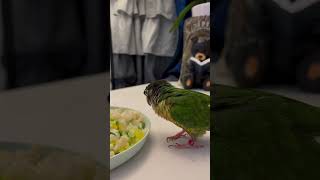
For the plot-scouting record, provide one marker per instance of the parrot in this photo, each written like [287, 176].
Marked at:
[187, 109]
[259, 135]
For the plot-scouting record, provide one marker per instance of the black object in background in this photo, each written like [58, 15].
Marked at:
[218, 18]
[267, 43]
[48, 40]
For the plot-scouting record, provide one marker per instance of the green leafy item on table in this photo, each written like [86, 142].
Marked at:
[259, 135]
[187, 109]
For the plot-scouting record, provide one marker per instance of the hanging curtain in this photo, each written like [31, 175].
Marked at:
[143, 47]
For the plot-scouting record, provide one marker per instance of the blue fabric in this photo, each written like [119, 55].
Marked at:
[175, 67]
[180, 5]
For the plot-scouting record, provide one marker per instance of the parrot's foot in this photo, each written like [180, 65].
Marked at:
[190, 145]
[177, 136]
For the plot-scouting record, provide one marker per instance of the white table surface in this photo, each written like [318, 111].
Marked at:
[156, 161]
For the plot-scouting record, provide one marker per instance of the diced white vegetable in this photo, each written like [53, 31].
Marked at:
[128, 123]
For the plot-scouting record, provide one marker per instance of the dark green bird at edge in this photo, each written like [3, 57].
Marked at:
[187, 109]
[262, 136]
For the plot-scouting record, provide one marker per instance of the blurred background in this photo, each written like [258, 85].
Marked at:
[143, 48]
[52, 40]
[271, 45]
[53, 64]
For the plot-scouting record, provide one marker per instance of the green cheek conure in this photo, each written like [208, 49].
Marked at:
[263, 136]
[187, 109]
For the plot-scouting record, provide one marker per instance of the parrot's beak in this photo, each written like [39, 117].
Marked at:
[146, 94]
[148, 101]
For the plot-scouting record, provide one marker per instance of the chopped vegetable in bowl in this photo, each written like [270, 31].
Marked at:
[127, 127]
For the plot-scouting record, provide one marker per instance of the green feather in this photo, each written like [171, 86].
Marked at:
[188, 109]
[184, 12]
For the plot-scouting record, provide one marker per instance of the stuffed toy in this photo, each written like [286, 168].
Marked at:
[274, 41]
[199, 64]
[195, 70]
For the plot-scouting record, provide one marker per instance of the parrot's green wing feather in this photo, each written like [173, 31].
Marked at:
[191, 110]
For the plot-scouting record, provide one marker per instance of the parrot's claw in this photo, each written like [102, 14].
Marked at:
[190, 145]
[173, 138]
[177, 136]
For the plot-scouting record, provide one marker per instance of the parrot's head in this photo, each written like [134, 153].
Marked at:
[154, 91]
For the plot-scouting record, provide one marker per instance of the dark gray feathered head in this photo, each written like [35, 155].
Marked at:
[154, 90]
